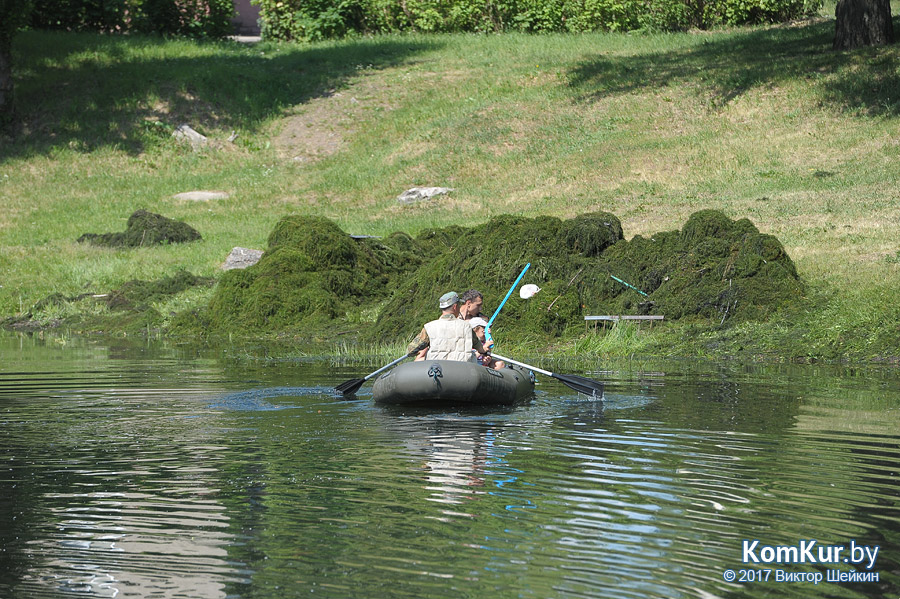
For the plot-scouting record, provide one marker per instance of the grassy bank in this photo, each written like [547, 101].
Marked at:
[767, 124]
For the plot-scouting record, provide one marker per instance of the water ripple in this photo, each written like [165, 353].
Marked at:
[148, 480]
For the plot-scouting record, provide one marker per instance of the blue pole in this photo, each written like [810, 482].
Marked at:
[487, 329]
[629, 285]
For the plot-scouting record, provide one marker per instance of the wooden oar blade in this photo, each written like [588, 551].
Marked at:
[581, 384]
[350, 387]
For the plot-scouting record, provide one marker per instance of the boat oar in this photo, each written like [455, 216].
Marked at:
[579, 383]
[352, 386]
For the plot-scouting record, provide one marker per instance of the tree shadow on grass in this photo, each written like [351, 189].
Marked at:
[723, 68]
[86, 91]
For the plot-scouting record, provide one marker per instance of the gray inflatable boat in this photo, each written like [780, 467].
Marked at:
[457, 383]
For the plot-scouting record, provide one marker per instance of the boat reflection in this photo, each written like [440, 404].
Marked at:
[458, 454]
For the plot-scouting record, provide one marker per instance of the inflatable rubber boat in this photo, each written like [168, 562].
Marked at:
[447, 382]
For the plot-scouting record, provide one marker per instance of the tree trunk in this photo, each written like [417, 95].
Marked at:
[862, 23]
[6, 80]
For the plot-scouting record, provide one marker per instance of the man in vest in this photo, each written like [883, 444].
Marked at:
[448, 337]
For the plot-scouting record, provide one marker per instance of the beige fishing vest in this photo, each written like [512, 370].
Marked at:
[451, 339]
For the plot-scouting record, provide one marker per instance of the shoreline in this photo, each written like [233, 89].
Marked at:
[344, 345]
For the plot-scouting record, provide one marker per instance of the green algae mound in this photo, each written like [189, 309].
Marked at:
[489, 257]
[311, 272]
[143, 229]
[713, 268]
[314, 274]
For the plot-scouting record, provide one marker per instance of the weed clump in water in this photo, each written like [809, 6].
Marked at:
[145, 228]
[131, 308]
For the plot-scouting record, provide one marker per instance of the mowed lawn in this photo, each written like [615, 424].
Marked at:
[764, 123]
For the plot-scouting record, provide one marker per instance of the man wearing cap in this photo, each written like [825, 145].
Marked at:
[448, 337]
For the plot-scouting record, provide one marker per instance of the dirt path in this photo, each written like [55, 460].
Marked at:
[325, 125]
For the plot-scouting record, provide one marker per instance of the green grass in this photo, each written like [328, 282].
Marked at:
[764, 123]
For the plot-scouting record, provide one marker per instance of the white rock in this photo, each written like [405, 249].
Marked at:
[185, 133]
[419, 194]
[242, 258]
[201, 196]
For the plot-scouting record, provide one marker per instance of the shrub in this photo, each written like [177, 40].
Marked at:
[79, 15]
[319, 19]
[195, 18]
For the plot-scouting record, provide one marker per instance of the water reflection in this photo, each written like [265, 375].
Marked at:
[150, 475]
[115, 544]
[113, 519]
[454, 464]
[462, 456]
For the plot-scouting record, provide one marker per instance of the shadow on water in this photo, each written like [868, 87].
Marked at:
[89, 91]
[725, 68]
[462, 413]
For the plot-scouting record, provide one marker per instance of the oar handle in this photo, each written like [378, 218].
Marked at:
[578, 383]
[487, 329]
[522, 364]
[629, 285]
[383, 368]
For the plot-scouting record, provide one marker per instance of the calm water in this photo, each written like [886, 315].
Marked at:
[161, 472]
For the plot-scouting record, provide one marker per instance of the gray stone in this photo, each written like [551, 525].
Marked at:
[201, 196]
[420, 194]
[185, 133]
[242, 258]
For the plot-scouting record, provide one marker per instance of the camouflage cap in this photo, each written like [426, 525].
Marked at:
[448, 299]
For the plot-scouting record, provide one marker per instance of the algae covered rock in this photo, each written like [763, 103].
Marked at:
[143, 229]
